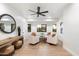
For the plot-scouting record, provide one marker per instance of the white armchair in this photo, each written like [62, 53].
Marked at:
[34, 39]
[52, 39]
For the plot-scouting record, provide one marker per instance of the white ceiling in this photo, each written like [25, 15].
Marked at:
[55, 9]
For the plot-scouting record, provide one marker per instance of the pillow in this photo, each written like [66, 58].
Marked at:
[33, 34]
[49, 33]
[53, 35]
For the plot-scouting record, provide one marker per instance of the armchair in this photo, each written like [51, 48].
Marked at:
[52, 39]
[34, 39]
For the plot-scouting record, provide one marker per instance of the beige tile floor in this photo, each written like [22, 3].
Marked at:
[41, 49]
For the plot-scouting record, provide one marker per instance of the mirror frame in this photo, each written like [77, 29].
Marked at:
[13, 20]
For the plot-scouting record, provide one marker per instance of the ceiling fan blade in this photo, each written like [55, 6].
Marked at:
[33, 14]
[32, 11]
[44, 12]
[38, 9]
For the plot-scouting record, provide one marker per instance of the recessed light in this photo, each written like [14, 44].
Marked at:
[30, 19]
[49, 20]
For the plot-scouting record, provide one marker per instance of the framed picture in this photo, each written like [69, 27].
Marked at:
[42, 28]
[61, 23]
[61, 28]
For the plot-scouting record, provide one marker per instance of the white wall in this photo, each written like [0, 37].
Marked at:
[60, 36]
[71, 29]
[4, 10]
[35, 23]
[23, 25]
[20, 21]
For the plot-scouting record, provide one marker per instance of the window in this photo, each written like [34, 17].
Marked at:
[54, 28]
[29, 27]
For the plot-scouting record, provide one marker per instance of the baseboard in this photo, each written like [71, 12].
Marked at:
[71, 52]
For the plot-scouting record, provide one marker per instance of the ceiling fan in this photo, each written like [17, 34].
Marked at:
[38, 12]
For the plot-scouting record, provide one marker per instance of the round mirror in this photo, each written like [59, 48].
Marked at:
[7, 23]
